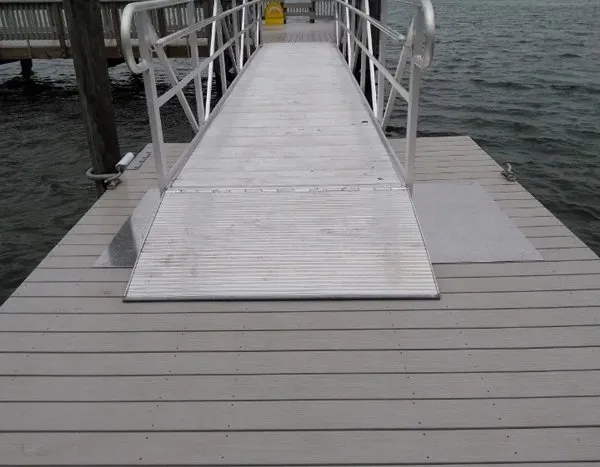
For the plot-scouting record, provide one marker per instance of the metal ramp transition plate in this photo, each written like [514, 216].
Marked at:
[283, 245]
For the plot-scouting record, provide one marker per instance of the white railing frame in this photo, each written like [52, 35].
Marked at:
[418, 48]
[151, 46]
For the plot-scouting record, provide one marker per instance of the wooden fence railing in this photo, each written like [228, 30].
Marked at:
[313, 10]
[38, 28]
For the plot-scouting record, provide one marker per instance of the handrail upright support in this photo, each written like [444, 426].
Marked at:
[336, 9]
[243, 36]
[382, 58]
[363, 59]
[400, 69]
[236, 29]
[348, 32]
[413, 101]
[248, 33]
[367, 10]
[142, 23]
[211, 66]
[258, 22]
[222, 70]
[191, 19]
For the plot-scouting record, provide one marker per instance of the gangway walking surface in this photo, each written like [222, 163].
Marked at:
[291, 193]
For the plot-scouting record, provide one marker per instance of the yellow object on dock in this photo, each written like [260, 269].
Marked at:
[274, 13]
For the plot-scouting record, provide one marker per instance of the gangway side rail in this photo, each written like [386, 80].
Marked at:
[245, 20]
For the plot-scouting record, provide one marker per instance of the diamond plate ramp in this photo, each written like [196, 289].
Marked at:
[283, 245]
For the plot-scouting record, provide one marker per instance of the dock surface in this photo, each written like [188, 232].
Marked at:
[504, 368]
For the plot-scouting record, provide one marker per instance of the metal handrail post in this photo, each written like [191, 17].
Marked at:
[258, 15]
[242, 39]
[336, 9]
[349, 44]
[363, 57]
[191, 19]
[383, 17]
[400, 68]
[413, 101]
[236, 29]
[142, 25]
[371, 64]
[211, 67]
[222, 73]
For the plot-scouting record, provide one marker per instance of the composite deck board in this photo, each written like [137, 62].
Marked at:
[116, 321]
[115, 363]
[391, 386]
[511, 375]
[449, 301]
[300, 415]
[305, 447]
[281, 340]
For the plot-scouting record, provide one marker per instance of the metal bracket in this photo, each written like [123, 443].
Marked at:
[138, 160]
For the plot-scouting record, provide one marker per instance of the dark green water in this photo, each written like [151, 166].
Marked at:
[522, 77]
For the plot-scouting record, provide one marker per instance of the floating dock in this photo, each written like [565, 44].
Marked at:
[501, 368]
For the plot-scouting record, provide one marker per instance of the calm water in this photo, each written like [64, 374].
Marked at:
[522, 77]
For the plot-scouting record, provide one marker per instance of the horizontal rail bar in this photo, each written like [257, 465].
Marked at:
[397, 86]
[133, 8]
[127, 22]
[424, 61]
[167, 96]
[382, 27]
[42, 2]
[202, 24]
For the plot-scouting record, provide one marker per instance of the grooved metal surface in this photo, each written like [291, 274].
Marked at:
[360, 244]
[306, 205]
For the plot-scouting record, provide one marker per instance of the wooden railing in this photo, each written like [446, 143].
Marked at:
[38, 28]
[313, 9]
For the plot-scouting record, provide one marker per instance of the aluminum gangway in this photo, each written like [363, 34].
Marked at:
[289, 189]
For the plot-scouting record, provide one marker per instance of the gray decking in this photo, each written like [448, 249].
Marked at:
[505, 368]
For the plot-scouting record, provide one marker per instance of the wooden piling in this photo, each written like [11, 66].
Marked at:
[26, 67]
[87, 44]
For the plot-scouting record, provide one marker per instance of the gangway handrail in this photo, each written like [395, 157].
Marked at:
[244, 19]
[352, 26]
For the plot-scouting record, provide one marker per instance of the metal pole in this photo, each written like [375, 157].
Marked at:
[371, 64]
[383, 13]
[142, 26]
[258, 21]
[236, 29]
[336, 9]
[348, 34]
[363, 60]
[241, 61]
[222, 71]
[413, 102]
[211, 66]
[191, 19]
[402, 61]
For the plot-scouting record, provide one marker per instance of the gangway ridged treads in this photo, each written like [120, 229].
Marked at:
[290, 194]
